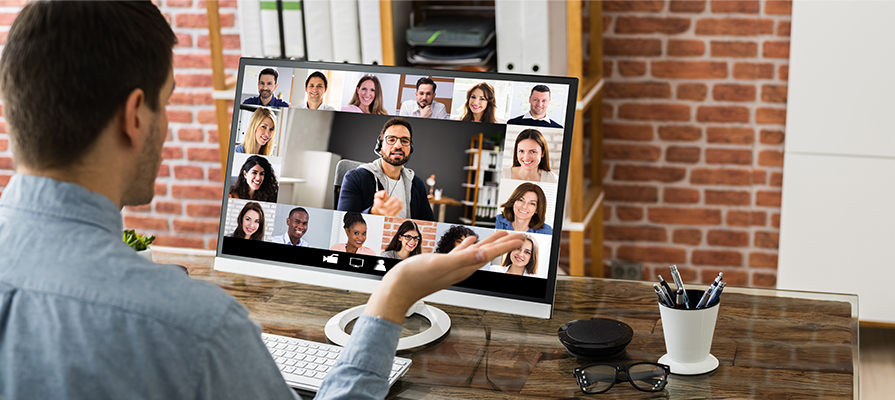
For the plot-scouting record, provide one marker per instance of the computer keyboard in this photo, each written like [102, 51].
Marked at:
[304, 363]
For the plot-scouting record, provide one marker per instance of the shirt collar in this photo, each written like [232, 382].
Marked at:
[64, 200]
[529, 116]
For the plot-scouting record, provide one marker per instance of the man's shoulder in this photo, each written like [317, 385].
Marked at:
[255, 100]
[278, 102]
[517, 120]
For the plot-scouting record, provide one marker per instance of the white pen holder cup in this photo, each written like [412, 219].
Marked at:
[688, 337]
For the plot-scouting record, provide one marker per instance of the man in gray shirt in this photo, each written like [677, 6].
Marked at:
[84, 317]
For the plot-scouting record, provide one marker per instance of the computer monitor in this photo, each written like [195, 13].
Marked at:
[487, 151]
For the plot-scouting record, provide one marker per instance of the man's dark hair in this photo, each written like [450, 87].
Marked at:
[269, 71]
[396, 121]
[540, 88]
[297, 209]
[426, 81]
[317, 74]
[69, 66]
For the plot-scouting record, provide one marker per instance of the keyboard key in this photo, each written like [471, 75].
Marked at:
[320, 375]
[289, 369]
[303, 381]
[291, 362]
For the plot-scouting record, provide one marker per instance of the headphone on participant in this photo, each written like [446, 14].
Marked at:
[378, 147]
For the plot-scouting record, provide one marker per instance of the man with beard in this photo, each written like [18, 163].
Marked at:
[425, 105]
[538, 102]
[296, 227]
[384, 186]
[267, 84]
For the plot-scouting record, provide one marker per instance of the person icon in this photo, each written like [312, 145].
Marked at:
[315, 88]
[538, 102]
[531, 159]
[296, 227]
[425, 105]
[267, 86]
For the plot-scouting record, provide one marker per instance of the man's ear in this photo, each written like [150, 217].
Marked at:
[134, 117]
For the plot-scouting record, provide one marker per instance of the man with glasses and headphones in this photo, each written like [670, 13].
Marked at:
[384, 186]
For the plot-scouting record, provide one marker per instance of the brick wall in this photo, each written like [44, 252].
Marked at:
[694, 113]
[186, 209]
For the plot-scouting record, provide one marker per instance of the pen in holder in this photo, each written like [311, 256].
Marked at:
[688, 336]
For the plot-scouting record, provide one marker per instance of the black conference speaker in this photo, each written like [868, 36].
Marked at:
[595, 338]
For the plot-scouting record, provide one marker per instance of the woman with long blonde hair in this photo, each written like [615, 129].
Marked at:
[260, 134]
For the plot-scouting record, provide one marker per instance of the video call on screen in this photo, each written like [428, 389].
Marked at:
[485, 155]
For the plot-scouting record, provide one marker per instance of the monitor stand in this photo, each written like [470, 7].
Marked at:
[441, 324]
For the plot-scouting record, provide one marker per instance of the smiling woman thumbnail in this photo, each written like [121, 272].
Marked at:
[255, 181]
[260, 134]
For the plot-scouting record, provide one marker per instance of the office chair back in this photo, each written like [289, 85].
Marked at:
[342, 168]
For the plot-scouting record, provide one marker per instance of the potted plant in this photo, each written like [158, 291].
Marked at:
[140, 243]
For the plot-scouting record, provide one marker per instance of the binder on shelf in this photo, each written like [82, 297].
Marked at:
[293, 29]
[345, 31]
[319, 30]
[250, 28]
[270, 28]
[535, 44]
[370, 31]
[508, 19]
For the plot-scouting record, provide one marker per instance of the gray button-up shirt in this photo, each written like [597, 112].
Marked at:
[83, 317]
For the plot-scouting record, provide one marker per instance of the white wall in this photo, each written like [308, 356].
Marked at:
[837, 228]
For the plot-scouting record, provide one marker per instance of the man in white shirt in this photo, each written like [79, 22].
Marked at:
[425, 105]
[296, 227]
[315, 87]
[538, 102]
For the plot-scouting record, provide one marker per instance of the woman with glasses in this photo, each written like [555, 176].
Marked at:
[407, 242]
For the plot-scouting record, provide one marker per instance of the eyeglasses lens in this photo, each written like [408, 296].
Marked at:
[648, 377]
[597, 378]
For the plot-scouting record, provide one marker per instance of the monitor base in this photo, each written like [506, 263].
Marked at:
[441, 324]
